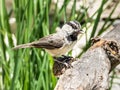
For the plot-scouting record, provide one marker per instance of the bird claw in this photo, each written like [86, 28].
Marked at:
[64, 60]
[61, 64]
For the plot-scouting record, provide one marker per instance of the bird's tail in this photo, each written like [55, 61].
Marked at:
[28, 45]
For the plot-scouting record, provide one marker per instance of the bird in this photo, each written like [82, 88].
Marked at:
[58, 43]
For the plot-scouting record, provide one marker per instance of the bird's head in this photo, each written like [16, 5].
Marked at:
[72, 29]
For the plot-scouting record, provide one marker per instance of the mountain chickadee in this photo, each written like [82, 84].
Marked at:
[59, 43]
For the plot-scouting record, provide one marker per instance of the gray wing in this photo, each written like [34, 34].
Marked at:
[49, 42]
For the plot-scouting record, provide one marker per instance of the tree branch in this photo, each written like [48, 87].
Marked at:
[91, 71]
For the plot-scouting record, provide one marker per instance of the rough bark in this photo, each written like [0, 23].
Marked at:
[91, 71]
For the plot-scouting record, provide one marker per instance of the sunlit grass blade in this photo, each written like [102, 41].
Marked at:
[107, 20]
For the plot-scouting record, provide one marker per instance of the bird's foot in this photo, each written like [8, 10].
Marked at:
[66, 60]
[61, 64]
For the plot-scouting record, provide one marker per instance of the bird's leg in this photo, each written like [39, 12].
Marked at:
[59, 60]
[66, 60]
[61, 64]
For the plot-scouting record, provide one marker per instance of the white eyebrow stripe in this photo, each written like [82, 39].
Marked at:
[72, 24]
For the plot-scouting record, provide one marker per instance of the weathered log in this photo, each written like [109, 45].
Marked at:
[91, 71]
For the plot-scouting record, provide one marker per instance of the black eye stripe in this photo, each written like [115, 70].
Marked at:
[77, 23]
[72, 25]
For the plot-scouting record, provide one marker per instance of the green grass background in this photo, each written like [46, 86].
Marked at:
[31, 69]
